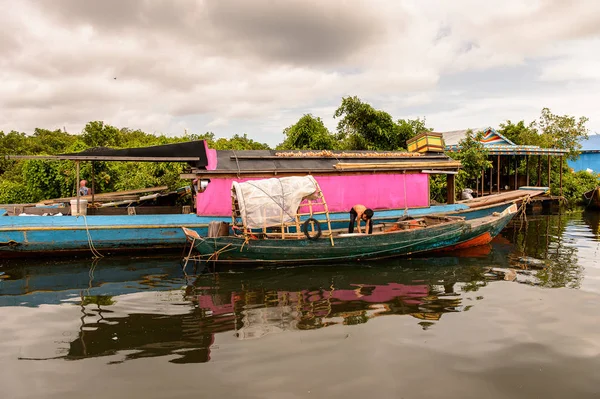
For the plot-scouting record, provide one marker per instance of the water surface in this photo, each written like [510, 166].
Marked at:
[514, 319]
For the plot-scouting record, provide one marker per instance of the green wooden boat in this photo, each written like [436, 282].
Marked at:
[282, 239]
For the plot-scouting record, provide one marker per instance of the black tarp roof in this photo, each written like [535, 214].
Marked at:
[193, 152]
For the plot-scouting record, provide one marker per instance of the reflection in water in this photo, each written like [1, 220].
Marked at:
[140, 308]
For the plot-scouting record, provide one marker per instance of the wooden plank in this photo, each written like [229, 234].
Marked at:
[141, 210]
[232, 174]
[114, 194]
[398, 165]
[103, 158]
[451, 189]
[32, 210]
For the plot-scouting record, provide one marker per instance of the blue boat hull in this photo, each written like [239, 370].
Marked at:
[22, 236]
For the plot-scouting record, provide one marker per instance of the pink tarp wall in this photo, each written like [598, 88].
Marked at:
[384, 191]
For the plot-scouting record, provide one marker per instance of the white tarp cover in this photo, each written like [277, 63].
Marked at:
[271, 202]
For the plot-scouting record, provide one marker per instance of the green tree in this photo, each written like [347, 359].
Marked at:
[564, 131]
[309, 133]
[519, 133]
[97, 134]
[362, 127]
[409, 128]
[238, 142]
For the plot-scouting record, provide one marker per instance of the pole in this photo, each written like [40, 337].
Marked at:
[93, 184]
[548, 170]
[78, 194]
[450, 189]
[539, 182]
[482, 182]
[491, 179]
[498, 175]
[527, 167]
[561, 171]
[516, 172]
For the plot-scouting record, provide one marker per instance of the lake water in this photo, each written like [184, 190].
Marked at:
[516, 319]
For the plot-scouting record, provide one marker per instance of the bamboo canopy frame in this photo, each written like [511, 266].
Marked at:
[316, 199]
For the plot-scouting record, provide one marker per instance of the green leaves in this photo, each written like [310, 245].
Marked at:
[549, 131]
[363, 127]
[309, 133]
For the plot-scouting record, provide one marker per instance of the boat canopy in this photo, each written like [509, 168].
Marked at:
[272, 202]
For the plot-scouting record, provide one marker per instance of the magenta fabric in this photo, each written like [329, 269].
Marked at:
[377, 191]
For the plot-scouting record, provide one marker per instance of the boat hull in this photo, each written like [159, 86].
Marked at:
[592, 199]
[450, 235]
[30, 236]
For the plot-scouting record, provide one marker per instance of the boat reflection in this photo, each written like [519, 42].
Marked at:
[252, 304]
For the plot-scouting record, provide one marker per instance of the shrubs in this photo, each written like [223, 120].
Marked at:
[575, 184]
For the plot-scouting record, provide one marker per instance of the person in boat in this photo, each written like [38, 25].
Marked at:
[83, 190]
[360, 212]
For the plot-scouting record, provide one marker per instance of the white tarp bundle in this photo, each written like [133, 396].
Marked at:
[271, 202]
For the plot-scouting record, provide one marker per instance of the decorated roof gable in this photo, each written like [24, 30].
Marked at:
[492, 137]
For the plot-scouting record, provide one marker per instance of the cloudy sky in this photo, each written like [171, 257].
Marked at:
[256, 66]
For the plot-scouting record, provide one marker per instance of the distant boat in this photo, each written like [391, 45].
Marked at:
[592, 198]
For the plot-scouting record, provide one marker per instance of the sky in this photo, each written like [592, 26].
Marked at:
[257, 66]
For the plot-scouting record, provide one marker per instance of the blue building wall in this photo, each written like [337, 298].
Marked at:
[590, 155]
[587, 160]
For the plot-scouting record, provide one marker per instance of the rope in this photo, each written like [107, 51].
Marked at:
[95, 252]
[405, 200]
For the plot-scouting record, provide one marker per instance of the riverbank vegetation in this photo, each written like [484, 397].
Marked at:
[360, 127]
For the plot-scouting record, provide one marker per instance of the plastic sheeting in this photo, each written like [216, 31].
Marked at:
[271, 202]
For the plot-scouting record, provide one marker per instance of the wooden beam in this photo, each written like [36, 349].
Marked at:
[482, 182]
[398, 165]
[516, 172]
[110, 195]
[451, 189]
[548, 170]
[78, 193]
[527, 168]
[294, 172]
[93, 183]
[103, 158]
[539, 181]
[561, 172]
[491, 179]
[498, 175]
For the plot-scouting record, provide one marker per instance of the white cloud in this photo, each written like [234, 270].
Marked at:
[256, 67]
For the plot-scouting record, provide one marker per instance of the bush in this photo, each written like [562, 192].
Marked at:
[14, 193]
[575, 184]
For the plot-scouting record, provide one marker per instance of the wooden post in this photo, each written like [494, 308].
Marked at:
[527, 167]
[516, 172]
[93, 184]
[498, 175]
[539, 182]
[491, 179]
[482, 182]
[78, 195]
[450, 189]
[548, 170]
[561, 170]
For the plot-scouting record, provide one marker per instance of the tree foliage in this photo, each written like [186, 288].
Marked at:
[363, 127]
[309, 133]
[549, 131]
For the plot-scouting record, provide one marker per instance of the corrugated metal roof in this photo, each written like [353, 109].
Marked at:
[592, 143]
